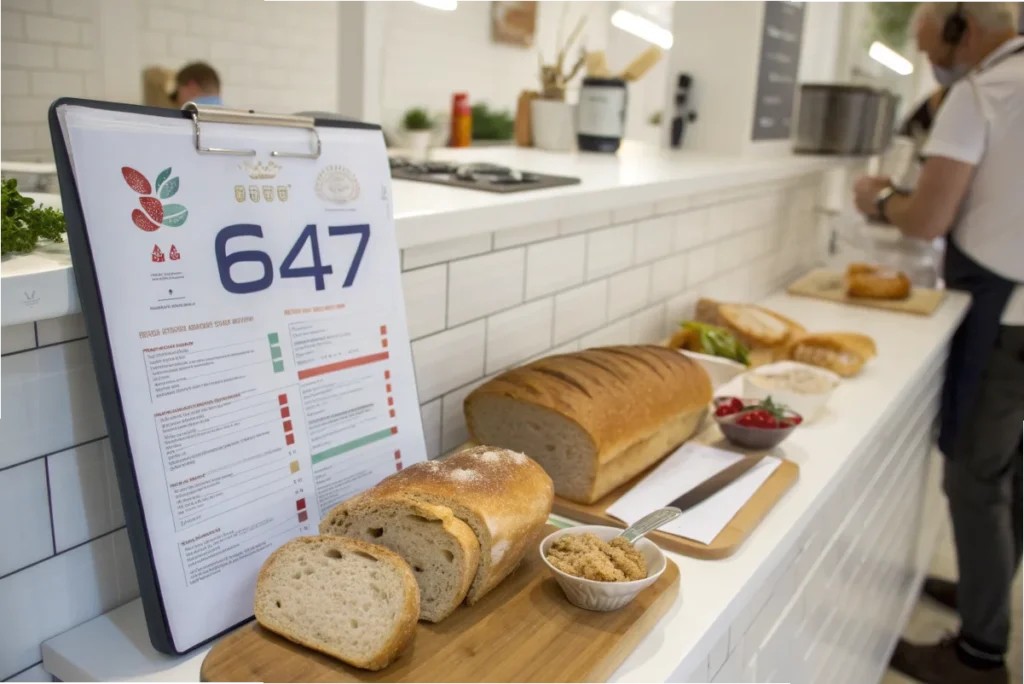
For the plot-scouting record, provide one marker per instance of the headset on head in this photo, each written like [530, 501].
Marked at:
[955, 27]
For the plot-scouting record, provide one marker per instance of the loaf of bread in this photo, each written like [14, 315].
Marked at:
[593, 419]
[503, 496]
[441, 549]
[876, 282]
[354, 601]
[842, 353]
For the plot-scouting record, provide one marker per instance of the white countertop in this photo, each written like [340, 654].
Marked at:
[713, 594]
[41, 285]
[639, 173]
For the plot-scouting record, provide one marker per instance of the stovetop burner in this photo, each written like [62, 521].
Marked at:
[476, 176]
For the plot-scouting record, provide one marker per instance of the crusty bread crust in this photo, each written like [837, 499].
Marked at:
[728, 317]
[619, 396]
[333, 522]
[410, 613]
[876, 282]
[509, 492]
[842, 353]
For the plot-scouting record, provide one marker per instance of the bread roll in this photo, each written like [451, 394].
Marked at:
[503, 496]
[842, 353]
[441, 549]
[354, 601]
[876, 282]
[593, 419]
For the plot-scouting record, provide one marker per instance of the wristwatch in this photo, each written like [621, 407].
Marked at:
[880, 201]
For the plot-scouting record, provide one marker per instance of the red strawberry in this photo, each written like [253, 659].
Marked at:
[139, 219]
[154, 208]
[136, 181]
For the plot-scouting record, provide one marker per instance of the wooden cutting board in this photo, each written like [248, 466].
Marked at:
[523, 631]
[730, 538]
[825, 284]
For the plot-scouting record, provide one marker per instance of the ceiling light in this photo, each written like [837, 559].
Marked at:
[446, 5]
[885, 55]
[642, 27]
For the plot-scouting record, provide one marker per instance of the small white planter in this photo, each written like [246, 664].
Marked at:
[553, 125]
[418, 142]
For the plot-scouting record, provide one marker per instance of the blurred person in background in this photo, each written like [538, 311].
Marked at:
[197, 82]
[971, 190]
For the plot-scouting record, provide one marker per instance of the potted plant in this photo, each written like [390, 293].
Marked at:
[418, 127]
[490, 126]
[552, 120]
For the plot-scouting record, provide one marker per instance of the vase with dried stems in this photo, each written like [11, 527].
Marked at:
[551, 124]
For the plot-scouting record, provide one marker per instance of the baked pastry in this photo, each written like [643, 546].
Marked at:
[876, 282]
[441, 549]
[354, 601]
[842, 353]
[596, 418]
[503, 496]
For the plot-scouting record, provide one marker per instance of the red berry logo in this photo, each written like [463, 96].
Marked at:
[156, 212]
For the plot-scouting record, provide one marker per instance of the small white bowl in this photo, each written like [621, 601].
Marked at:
[719, 369]
[809, 406]
[604, 596]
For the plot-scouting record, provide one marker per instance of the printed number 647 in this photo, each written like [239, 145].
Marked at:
[317, 271]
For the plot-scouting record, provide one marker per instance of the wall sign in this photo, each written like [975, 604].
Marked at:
[247, 321]
[777, 70]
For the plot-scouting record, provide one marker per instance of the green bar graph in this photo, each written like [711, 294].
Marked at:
[349, 446]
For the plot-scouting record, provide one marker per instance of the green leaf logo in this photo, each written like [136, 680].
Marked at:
[164, 175]
[174, 215]
[169, 188]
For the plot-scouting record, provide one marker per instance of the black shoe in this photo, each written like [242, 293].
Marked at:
[940, 664]
[942, 591]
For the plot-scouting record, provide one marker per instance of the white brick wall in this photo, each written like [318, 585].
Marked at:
[271, 56]
[61, 523]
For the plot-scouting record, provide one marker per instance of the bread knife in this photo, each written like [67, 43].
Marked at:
[716, 483]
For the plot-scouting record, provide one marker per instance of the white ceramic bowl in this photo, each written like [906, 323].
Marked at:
[809, 406]
[719, 369]
[604, 596]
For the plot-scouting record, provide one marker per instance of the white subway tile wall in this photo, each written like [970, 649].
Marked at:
[266, 53]
[69, 560]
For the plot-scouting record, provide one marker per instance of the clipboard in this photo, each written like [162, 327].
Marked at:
[155, 589]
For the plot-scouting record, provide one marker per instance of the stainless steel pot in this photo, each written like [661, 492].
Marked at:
[844, 119]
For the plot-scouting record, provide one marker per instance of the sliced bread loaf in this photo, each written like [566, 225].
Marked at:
[504, 496]
[593, 419]
[354, 601]
[441, 549]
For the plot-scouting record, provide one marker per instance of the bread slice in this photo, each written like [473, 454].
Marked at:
[502, 495]
[354, 601]
[593, 419]
[441, 549]
[756, 326]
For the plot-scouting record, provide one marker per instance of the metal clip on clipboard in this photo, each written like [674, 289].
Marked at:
[210, 114]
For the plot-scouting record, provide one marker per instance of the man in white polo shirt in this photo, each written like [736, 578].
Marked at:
[971, 189]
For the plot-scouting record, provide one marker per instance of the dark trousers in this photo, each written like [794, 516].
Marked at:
[983, 484]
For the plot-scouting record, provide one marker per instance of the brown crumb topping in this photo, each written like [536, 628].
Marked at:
[586, 556]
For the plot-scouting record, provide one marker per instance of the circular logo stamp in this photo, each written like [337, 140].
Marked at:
[337, 184]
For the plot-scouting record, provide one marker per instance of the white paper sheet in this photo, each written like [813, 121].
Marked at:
[690, 465]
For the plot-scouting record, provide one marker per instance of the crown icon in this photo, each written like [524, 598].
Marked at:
[258, 170]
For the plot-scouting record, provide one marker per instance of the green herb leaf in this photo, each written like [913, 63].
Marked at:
[23, 224]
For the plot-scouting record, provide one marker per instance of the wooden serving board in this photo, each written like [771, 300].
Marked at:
[734, 533]
[825, 284]
[523, 631]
